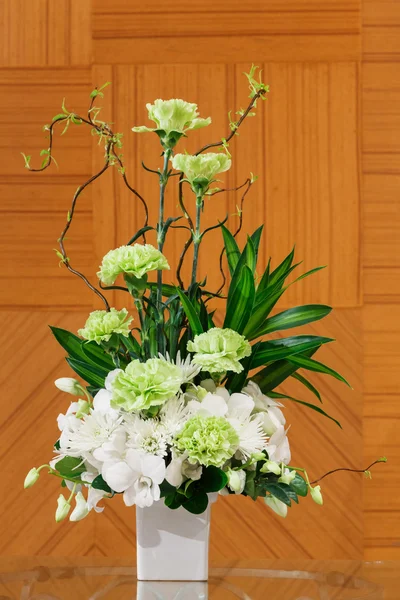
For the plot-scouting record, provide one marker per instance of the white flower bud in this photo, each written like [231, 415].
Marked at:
[270, 466]
[237, 481]
[81, 509]
[287, 476]
[31, 478]
[277, 506]
[63, 508]
[69, 385]
[316, 494]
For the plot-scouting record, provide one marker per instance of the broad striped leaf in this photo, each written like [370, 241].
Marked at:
[313, 365]
[240, 302]
[295, 317]
[261, 310]
[231, 249]
[191, 313]
[312, 406]
[286, 347]
[281, 269]
[273, 375]
[89, 373]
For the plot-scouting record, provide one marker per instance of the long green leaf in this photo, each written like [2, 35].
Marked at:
[231, 249]
[313, 365]
[281, 269]
[139, 233]
[256, 238]
[191, 313]
[286, 347]
[260, 312]
[263, 285]
[307, 384]
[273, 375]
[295, 317]
[96, 355]
[89, 373]
[240, 302]
[318, 409]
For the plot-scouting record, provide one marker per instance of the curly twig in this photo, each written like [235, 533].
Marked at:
[236, 126]
[351, 470]
[102, 129]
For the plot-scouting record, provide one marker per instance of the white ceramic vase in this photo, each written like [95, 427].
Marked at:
[172, 545]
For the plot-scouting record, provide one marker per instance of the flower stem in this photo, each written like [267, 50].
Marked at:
[160, 243]
[144, 333]
[197, 238]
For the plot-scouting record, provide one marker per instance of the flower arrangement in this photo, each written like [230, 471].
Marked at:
[178, 407]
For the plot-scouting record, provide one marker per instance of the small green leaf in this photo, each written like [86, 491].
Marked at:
[59, 117]
[70, 466]
[139, 233]
[278, 492]
[299, 486]
[197, 504]
[213, 479]
[98, 483]
[27, 159]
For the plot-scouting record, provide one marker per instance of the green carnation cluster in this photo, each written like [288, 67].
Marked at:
[202, 169]
[143, 385]
[101, 324]
[136, 260]
[172, 118]
[219, 350]
[208, 440]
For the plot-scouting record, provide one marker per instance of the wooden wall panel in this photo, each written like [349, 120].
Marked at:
[381, 186]
[45, 33]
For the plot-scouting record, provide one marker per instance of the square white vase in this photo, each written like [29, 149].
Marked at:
[172, 545]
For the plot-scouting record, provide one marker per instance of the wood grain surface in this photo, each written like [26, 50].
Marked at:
[325, 146]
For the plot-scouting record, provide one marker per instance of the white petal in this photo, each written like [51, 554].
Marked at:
[153, 467]
[110, 378]
[215, 405]
[173, 473]
[240, 405]
[130, 496]
[118, 475]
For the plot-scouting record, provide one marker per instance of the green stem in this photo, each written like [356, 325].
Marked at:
[144, 334]
[160, 243]
[197, 238]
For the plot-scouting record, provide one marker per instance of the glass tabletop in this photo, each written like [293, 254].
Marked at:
[106, 579]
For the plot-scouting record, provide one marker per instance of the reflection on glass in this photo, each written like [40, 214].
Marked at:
[63, 580]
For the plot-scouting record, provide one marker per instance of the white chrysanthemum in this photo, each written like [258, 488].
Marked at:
[189, 369]
[174, 415]
[146, 435]
[251, 436]
[91, 437]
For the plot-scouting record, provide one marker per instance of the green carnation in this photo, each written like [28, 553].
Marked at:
[202, 169]
[208, 440]
[136, 260]
[219, 350]
[143, 385]
[101, 324]
[172, 118]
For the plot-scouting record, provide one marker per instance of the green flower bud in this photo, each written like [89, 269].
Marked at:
[31, 478]
[270, 466]
[63, 508]
[316, 494]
